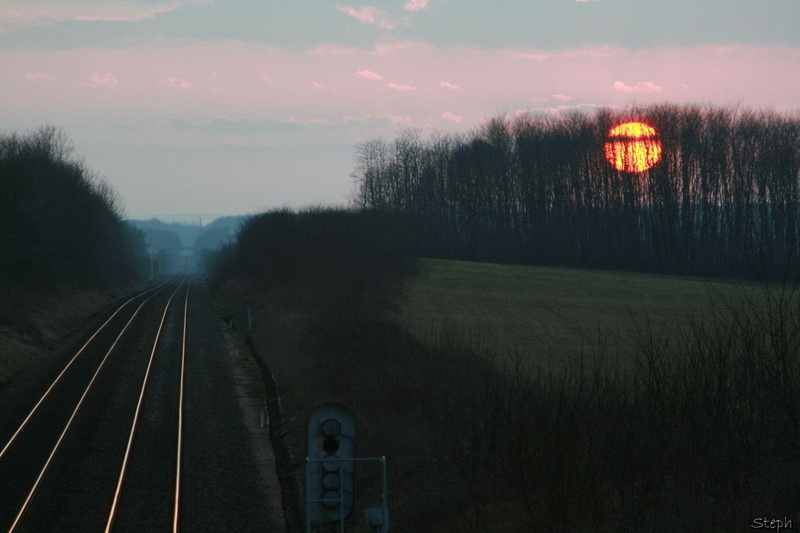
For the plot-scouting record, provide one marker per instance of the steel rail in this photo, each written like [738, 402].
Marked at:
[69, 364]
[115, 502]
[39, 478]
[180, 416]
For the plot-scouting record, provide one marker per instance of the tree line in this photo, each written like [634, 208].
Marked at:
[350, 263]
[723, 199]
[61, 224]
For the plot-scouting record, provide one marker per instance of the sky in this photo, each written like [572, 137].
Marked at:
[220, 107]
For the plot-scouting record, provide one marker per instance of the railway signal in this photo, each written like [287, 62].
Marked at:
[330, 472]
[331, 478]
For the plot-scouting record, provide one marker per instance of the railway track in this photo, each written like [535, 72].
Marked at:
[101, 447]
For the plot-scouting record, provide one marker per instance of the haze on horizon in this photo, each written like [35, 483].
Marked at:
[199, 106]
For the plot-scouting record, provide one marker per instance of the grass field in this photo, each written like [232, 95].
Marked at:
[695, 433]
[548, 314]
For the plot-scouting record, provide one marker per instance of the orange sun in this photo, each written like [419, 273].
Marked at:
[633, 147]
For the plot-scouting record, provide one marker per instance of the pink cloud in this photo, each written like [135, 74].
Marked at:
[38, 76]
[397, 120]
[176, 83]
[315, 86]
[397, 87]
[266, 79]
[367, 15]
[643, 87]
[133, 17]
[368, 74]
[416, 5]
[363, 119]
[104, 80]
[562, 97]
[448, 85]
[452, 117]
[294, 120]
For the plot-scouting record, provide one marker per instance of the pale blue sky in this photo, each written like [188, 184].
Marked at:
[550, 24]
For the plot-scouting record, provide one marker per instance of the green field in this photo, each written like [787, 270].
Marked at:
[549, 314]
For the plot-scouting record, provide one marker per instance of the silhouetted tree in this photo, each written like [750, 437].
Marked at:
[723, 200]
[61, 223]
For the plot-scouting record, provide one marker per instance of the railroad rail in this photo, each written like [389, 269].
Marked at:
[65, 466]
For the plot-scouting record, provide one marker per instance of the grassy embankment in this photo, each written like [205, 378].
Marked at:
[691, 427]
[33, 322]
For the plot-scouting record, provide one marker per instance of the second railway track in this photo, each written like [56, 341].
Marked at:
[62, 463]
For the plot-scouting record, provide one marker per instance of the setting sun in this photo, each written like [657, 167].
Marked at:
[633, 147]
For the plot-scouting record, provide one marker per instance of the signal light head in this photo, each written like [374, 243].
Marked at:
[331, 481]
[330, 445]
[331, 466]
[331, 495]
[331, 427]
